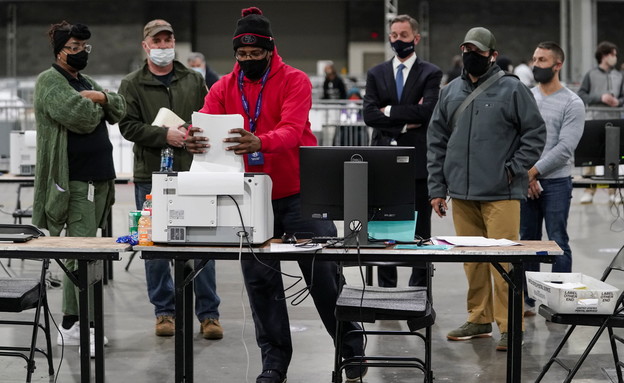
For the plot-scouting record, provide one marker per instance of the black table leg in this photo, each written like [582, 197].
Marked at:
[99, 326]
[513, 277]
[188, 324]
[516, 311]
[83, 303]
[183, 324]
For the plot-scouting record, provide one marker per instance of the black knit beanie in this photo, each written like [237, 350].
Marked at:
[61, 36]
[253, 29]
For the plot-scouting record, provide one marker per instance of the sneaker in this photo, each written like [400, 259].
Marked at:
[92, 343]
[92, 337]
[70, 336]
[502, 343]
[211, 329]
[471, 330]
[271, 376]
[587, 198]
[91, 350]
[355, 373]
[615, 198]
[165, 325]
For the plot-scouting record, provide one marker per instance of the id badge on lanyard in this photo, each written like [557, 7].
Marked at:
[257, 158]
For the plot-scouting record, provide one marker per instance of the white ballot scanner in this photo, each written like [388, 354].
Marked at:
[211, 207]
[23, 153]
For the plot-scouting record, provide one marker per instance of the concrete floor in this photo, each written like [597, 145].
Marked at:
[135, 355]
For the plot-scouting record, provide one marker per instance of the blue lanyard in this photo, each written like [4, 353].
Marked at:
[252, 121]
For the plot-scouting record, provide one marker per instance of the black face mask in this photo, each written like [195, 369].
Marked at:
[78, 61]
[543, 75]
[402, 49]
[254, 69]
[475, 64]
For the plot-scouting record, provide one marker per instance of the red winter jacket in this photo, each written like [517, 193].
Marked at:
[283, 125]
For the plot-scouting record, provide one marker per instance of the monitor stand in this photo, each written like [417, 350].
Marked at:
[355, 190]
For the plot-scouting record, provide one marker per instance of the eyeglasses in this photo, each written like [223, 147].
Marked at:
[79, 48]
[254, 55]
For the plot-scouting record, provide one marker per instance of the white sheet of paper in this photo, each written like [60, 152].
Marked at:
[287, 247]
[471, 241]
[216, 128]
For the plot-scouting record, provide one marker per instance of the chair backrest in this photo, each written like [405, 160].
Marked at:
[617, 263]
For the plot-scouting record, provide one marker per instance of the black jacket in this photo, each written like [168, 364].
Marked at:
[420, 95]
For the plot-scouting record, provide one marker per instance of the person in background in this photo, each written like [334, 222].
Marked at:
[74, 173]
[550, 179]
[480, 158]
[456, 69]
[197, 62]
[525, 73]
[602, 86]
[399, 100]
[333, 87]
[275, 100]
[165, 82]
[354, 94]
[504, 63]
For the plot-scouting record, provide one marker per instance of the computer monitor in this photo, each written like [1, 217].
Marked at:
[602, 143]
[358, 184]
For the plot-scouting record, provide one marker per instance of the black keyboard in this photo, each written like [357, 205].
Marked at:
[324, 239]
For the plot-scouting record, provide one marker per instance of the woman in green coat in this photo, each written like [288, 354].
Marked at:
[74, 173]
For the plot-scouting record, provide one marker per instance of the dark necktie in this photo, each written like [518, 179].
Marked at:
[399, 80]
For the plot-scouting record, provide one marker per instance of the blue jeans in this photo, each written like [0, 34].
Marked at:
[551, 208]
[265, 289]
[160, 287]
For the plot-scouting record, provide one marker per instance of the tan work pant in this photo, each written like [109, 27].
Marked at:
[487, 300]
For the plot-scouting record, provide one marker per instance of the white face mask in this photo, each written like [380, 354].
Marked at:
[612, 60]
[162, 57]
[200, 70]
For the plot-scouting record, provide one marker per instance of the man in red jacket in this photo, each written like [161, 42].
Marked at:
[275, 100]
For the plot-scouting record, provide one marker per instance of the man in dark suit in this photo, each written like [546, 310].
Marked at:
[400, 96]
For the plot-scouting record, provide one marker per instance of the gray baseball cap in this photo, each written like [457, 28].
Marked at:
[481, 38]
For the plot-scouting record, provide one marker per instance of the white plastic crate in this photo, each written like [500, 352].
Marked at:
[572, 293]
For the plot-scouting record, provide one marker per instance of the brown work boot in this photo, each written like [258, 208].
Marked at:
[165, 325]
[211, 329]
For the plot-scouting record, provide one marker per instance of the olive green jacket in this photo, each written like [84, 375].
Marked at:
[144, 96]
[59, 108]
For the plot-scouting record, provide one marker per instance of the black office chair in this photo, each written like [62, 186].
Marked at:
[20, 294]
[602, 321]
[20, 213]
[370, 304]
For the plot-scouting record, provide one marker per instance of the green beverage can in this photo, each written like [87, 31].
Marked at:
[133, 221]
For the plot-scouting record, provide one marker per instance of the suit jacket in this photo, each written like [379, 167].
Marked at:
[420, 95]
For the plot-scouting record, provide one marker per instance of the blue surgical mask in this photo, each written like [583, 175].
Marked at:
[162, 57]
[200, 70]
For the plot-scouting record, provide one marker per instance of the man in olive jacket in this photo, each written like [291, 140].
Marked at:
[482, 163]
[165, 82]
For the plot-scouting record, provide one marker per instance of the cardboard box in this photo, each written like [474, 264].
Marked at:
[572, 293]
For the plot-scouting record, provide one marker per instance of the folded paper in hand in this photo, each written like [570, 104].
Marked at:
[166, 117]
[216, 127]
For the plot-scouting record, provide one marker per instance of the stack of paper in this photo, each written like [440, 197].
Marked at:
[471, 241]
[216, 127]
